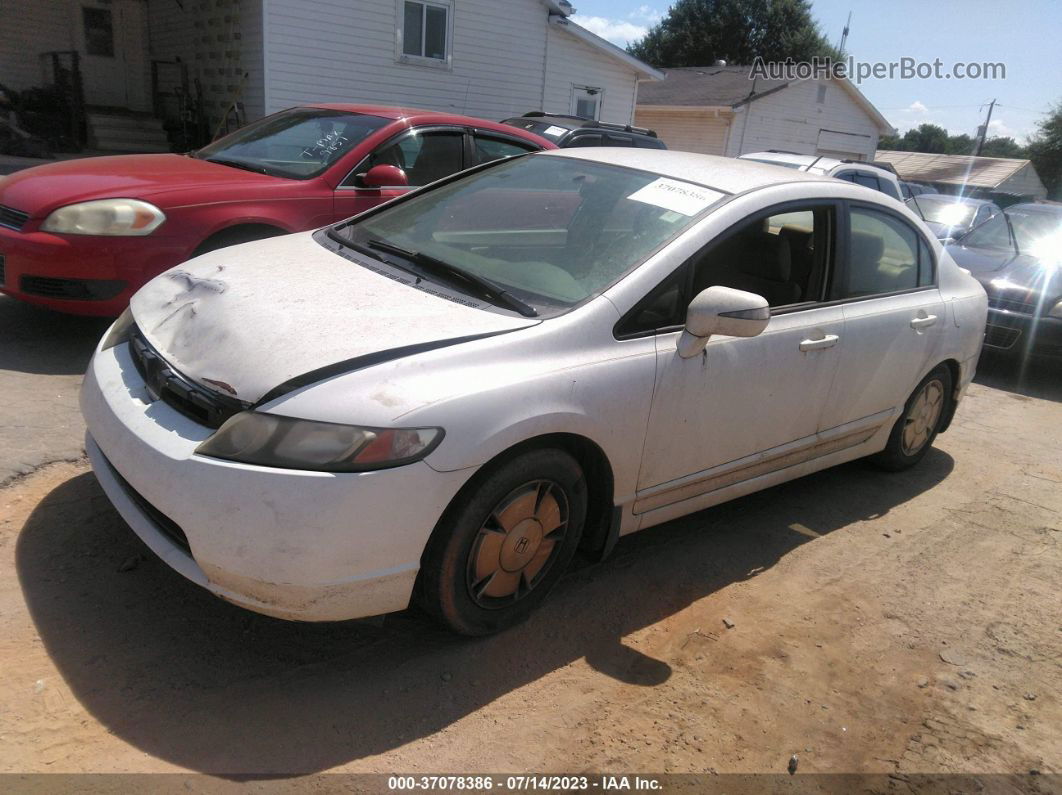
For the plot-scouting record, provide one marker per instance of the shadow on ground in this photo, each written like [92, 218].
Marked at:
[192, 680]
[36, 340]
[1038, 378]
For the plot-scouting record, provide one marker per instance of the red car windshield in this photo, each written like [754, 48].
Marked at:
[297, 144]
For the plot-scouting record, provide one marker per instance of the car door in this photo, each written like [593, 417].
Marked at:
[745, 406]
[425, 154]
[893, 316]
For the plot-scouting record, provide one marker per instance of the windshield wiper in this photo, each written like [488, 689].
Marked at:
[370, 252]
[221, 161]
[452, 273]
[1013, 234]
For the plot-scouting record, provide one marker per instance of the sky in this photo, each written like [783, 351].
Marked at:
[1022, 34]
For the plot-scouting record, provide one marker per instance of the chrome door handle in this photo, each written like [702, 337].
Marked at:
[814, 345]
[923, 322]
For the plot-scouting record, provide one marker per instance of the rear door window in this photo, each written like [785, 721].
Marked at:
[586, 139]
[883, 255]
[488, 148]
[646, 142]
[866, 180]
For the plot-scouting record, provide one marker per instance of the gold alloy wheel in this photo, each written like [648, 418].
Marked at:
[517, 544]
[922, 417]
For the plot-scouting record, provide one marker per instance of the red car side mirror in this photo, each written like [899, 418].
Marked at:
[383, 176]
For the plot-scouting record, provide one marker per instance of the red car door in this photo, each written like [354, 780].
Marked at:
[425, 154]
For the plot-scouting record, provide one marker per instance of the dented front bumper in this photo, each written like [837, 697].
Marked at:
[294, 544]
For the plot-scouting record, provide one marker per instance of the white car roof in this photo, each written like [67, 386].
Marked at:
[824, 163]
[726, 174]
[821, 165]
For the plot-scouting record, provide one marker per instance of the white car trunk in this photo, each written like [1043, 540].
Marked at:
[243, 320]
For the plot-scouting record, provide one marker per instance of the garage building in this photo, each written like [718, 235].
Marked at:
[720, 110]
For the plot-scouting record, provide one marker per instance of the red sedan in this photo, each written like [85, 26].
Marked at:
[81, 236]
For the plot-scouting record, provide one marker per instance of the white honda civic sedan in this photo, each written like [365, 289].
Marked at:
[446, 397]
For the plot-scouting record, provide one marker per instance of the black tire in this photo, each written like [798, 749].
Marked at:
[235, 236]
[904, 451]
[471, 558]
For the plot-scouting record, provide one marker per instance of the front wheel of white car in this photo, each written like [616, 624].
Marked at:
[497, 553]
[917, 427]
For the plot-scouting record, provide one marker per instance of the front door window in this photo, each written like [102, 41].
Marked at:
[425, 157]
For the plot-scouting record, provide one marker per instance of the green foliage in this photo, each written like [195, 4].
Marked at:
[1045, 151]
[699, 32]
[1003, 147]
[935, 140]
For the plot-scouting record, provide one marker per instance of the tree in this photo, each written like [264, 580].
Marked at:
[699, 32]
[923, 138]
[1045, 151]
[1003, 147]
[934, 139]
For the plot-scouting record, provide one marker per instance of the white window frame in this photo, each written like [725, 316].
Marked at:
[599, 93]
[421, 60]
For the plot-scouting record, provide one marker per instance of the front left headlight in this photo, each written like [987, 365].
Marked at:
[113, 217]
[119, 331]
[272, 440]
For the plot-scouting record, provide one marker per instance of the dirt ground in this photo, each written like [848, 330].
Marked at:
[863, 621]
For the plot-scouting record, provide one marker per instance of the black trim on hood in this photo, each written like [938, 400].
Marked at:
[367, 360]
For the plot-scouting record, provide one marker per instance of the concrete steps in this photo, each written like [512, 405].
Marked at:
[116, 131]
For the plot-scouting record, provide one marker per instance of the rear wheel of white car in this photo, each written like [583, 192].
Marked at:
[497, 553]
[917, 427]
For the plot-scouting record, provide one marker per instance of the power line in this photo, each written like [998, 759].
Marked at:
[1015, 107]
[936, 107]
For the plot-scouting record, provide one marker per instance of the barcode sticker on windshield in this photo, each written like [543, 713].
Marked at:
[554, 130]
[682, 197]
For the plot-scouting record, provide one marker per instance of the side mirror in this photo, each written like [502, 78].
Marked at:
[722, 310]
[382, 176]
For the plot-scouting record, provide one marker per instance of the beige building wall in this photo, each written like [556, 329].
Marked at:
[693, 130]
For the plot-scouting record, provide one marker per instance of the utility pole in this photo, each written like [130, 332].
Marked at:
[844, 36]
[984, 129]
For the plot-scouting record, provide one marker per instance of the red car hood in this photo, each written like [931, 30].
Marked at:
[40, 190]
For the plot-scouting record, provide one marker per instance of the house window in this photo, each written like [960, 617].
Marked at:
[822, 94]
[425, 29]
[586, 101]
[99, 31]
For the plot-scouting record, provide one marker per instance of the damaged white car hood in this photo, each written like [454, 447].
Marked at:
[245, 319]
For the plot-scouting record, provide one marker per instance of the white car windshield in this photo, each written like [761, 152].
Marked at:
[549, 230]
[298, 144]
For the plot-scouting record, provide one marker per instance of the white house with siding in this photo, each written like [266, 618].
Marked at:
[720, 110]
[487, 58]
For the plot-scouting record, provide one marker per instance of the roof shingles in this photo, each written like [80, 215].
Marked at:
[979, 172]
[718, 86]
